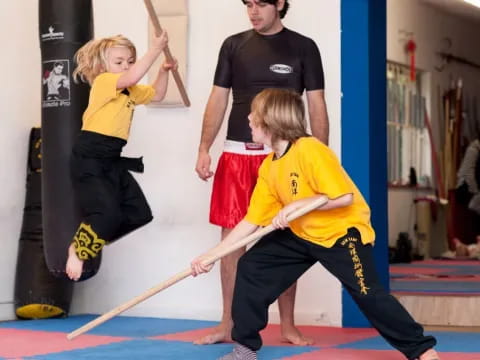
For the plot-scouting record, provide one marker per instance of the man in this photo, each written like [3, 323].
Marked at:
[56, 82]
[267, 56]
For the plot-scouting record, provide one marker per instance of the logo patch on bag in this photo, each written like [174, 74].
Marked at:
[52, 35]
[56, 83]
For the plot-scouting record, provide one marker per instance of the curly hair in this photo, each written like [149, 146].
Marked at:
[283, 12]
[91, 58]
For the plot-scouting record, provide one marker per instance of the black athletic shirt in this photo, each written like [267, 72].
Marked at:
[250, 62]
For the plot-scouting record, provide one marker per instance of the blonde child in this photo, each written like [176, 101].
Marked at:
[338, 235]
[111, 201]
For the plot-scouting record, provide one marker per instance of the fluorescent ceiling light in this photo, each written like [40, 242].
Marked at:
[473, 2]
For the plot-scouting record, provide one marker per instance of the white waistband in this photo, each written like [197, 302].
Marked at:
[238, 147]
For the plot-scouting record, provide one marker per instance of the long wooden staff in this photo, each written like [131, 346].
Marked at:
[168, 55]
[457, 131]
[187, 272]
[443, 199]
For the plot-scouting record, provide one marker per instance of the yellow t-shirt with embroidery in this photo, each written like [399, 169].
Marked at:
[110, 111]
[309, 168]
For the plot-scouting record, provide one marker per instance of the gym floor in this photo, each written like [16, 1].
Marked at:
[150, 338]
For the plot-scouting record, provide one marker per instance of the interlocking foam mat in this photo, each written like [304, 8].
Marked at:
[150, 338]
[441, 277]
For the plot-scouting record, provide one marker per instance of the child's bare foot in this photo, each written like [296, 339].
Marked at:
[429, 355]
[292, 335]
[74, 264]
[222, 333]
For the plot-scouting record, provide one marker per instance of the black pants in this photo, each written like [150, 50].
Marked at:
[280, 258]
[111, 201]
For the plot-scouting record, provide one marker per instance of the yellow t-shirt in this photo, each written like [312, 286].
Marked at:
[110, 110]
[309, 168]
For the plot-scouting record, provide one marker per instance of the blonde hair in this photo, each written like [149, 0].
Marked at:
[280, 113]
[91, 58]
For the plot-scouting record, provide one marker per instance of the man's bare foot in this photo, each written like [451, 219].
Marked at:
[457, 242]
[292, 335]
[461, 250]
[222, 333]
[74, 264]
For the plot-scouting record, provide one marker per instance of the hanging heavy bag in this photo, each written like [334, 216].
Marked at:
[65, 25]
[38, 294]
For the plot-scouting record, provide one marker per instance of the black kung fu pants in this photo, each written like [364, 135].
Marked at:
[273, 264]
[111, 201]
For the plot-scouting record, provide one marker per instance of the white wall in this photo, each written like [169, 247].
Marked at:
[20, 110]
[430, 27]
[168, 139]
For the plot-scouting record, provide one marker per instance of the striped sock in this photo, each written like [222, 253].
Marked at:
[240, 352]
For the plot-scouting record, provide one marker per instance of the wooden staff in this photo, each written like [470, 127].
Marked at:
[187, 272]
[166, 51]
[457, 131]
[436, 166]
[448, 142]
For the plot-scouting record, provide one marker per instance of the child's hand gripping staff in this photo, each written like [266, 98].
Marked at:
[243, 230]
[206, 263]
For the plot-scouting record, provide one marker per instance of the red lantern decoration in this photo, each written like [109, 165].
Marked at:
[411, 47]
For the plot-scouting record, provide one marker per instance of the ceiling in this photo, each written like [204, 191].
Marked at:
[458, 7]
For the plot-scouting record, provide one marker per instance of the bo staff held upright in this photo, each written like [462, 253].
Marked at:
[187, 272]
[168, 55]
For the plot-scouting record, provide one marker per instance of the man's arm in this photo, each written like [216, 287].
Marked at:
[212, 121]
[317, 110]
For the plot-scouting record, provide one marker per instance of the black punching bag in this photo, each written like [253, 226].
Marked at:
[65, 25]
[38, 294]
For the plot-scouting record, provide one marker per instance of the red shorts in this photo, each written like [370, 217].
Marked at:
[233, 184]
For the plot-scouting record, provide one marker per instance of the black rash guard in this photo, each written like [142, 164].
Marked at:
[250, 62]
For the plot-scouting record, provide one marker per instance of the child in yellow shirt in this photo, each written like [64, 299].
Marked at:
[110, 199]
[338, 235]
